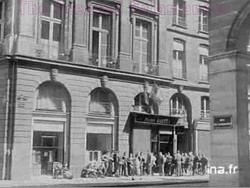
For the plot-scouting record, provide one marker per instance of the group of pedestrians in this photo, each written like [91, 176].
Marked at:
[182, 164]
[118, 164]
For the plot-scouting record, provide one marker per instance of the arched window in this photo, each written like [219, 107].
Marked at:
[50, 127]
[101, 123]
[141, 103]
[52, 97]
[180, 106]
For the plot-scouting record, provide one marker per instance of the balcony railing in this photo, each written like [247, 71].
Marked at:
[205, 113]
[145, 68]
[179, 73]
[106, 61]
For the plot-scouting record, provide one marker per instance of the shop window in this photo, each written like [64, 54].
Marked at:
[203, 19]
[179, 13]
[103, 36]
[205, 109]
[179, 59]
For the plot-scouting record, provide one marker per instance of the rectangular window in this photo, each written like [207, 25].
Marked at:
[205, 109]
[179, 62]
[2, 19]
[51, 20]
[143, 47]
[103, 36]
[203, 70]
[203, 20]
[179, 13]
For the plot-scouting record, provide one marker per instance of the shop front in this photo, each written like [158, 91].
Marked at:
[153, 133]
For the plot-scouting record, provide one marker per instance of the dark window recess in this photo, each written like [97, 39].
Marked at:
[102, 142]
[57, 32]
[46, 8]
[58, 11]
[45, 30]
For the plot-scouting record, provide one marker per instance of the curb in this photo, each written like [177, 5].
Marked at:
[116, 184]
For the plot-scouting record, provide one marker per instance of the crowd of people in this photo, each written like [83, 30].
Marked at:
[116, 164]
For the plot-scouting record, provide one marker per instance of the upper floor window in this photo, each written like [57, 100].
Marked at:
[205, 109]
[203, 20]
[143, 46]
[203, 50]
[52, 20]
[103, 36]
[2, 19]
[179, 59]
[179, 13]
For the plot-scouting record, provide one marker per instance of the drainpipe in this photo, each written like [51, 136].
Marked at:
[10, 104]
[11, 118]
[6, 103]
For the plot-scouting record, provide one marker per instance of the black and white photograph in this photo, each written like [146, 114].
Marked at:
[124, 93]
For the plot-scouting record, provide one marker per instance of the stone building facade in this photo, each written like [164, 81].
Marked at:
[73, 71]
[229, 89]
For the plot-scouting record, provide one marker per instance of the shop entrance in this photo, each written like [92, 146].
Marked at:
[166, 143]
[48, 148]
[161, 142]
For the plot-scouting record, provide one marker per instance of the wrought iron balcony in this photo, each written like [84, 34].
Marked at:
[105, 61]
[145, 68]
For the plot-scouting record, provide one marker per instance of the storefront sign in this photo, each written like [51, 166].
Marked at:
[223, 122]
[157, 120]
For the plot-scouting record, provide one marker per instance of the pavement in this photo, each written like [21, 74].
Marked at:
[107, 181]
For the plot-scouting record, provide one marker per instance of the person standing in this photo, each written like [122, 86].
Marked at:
[130, 164]
[168, 170]
[178, 158]
[124, 165]
[204, 162]
[161, 162]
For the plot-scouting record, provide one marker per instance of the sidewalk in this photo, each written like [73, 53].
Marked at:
[107, 182]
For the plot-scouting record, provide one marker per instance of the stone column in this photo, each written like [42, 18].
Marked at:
[230, 144]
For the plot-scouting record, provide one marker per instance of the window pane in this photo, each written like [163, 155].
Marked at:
[1, 10]
[101, 142]
[45, 30]
[96, 20]
[58, 9]
[57, 32]
[137, 32]
[95, 44]
[106, 22]
[46, 8]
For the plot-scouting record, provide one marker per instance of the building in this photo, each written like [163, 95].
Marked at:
[229, 89]
[76, 76]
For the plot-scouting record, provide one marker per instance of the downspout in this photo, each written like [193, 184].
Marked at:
[11, 118]
[6, 101]
[10, 104]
